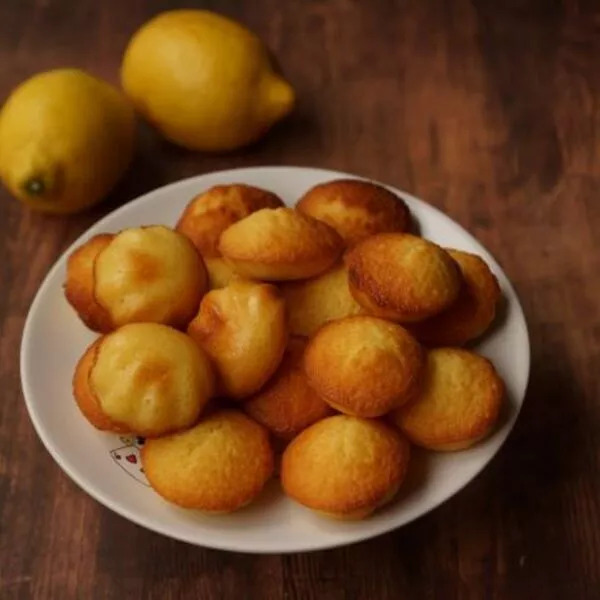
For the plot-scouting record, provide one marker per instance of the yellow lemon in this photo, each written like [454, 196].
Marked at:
[205, 81]
[65, 139]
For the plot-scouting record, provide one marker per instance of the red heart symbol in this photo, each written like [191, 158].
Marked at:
[132, 458]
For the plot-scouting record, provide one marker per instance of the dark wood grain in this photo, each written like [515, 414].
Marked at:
[488, 110]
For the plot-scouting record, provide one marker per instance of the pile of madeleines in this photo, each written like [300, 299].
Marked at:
[319, 342]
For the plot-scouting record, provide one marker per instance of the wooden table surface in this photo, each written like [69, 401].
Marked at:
[489, 110]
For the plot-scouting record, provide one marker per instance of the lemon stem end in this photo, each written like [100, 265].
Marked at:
[34, 186]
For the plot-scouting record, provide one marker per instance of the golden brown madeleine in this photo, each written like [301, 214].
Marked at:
[150, 274]
[213, 211]
[316, 301]
[151, 379]
[287, 404]
[345, 467]
[220, 465]
[79, 283]
[242, 327]
[364, 366]
[458, 403]
[402, 277]
[355, 209]
[472, 312]
[220, 272]
[280, 244]
[85, 398]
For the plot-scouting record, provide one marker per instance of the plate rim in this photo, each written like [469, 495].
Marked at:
[139, 519]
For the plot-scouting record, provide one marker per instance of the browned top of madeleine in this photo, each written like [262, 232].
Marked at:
[457, 404]
[150, 378]
[355, 209]
[345, 466]
[219, 465]
[402, 277]
[279, 244]
[364, 366]
[243, 329]
[149, 274]
[211, 212]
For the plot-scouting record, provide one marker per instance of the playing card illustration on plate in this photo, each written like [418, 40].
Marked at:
[127, 456]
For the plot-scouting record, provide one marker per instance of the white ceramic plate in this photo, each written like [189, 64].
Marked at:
[107, 466]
